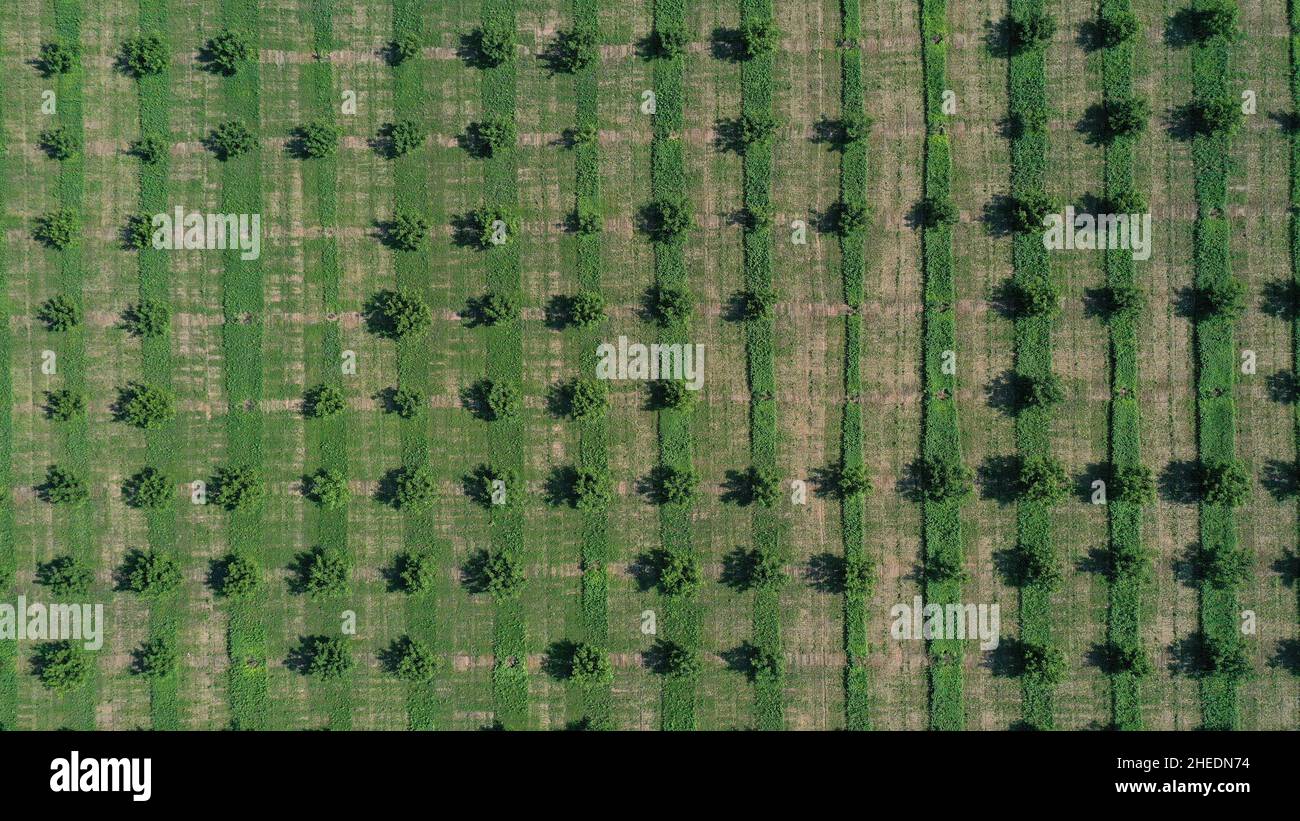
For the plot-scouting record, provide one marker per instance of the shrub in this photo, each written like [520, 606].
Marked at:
[145, 406]
[411, 660]
[318, 139]
[591, 489]
[148, 318]
[408, 232]
[671, 394]
[238, 577]
[149, 488]
[583, 135]
[1128, 559]
[852, 481]
[1043, 665]
[766, 570]
[63, 487]
[496, 43]
[495, 134]
[853, 219]
[670, 305]
[415, 572]
[407, 402]
[590, 666]
[758, 37]
[489, 220]
[937, 211]
[1224, 299]
[63, 405]
[1225, 484]
[1036, 296]
[944, 567]
[323, 572]
[150, 573]
[497, 307]
[400, 313]
[406, 46]
[1221, 115]
[1031, 30]
[1132, 660]
[1043, 479]
[1027, 212]
[1227, 567]
[227, 50]
[760, 485]
[765, 665]
[57, 229]
[585, 308]
[757, 303]
[1228, 658]
[587, 398]
[138, 233]
[403, 137]
[323, 401]
[65, 575]
[855, 127]
[231, 139]
[670, 42]
[149, 150]
[155, 658]
[756, 128]
[678, 574]
[1116, 27]
[1219, 19]
[1134, 485]
[676, 661]
[1038, 566]
[59, 143]
[1124, 118]
[326, 656]
[574, 50]
[1125, 301]
[503, 401]
[59, 313]
[60, 665]
[677, 486]
[328, 488]
[414, 489]
[944, 479]
[56, 58]
[1126, 201]
[670, 219]
[503, 574]
[588, 219]
[1043, 391]
[238, 488]
[144, 54]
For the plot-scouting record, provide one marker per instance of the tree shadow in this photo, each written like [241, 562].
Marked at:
[1183, 123]
[560, 486]
[738, 569]
[1091, 472]
[1092, 126]
[728, 136]
[474, 398]
[1188, 566]
[1182, 28]
[1281, 299]
[999, 478]
[558, 660]
[1284, 387]
[1097, 562]
[997, 38]
[996, 215]
[1187, 656]
[1005, 392]
[1288, 122]
[1287, 656]
[1180, 482]
[740, 659]
[1281, 479]
[473, 572]
[1288, 567]
[725, 44]
[1007, 660]
[827, 573]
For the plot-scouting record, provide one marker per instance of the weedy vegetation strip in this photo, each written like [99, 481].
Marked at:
[1293, 10]
[8, 557]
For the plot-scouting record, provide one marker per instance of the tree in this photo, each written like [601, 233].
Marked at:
[586, 308]
[497, 307]
[65, 576]
[670, 41]
[231, 139]
[149, 150]
[679, 573]
[148, 318]
[138, 232]
[323, 401]
[1221, 115]
[1224, 299]
[859, 575]
[758, 37]
[853, 219]
[757, 303]
[57, 229]
[407, 402]
[59, 143]
[503, 574]
[415, 572]
[1124, 301]
[239, 576]
[677, 486]
[150, 573]
[937, 211]
[945, 479]
[494, 134]
[670, 305]
[765, 664]
[56, 58]
[1043, 391]
[574, 50]
[1126, 117]
[238, 488]
[406, 46]
[148, 489]
[588, 219]
[587, 398]
[1116, 27]
[318, 139]
[328, 488]
[1125, 201]
[323, 572]
[227, 50]
[944, 567]
[496, 43]
[63, 487]
[1038, 566]
[851, 481]
[759, 485]
[855, 127]
[155, 659]
[503, 401]
[1130, 659]
[766, 570]
[591, 489]
[590, 666]
[1227, 657]
[408, 232]
[59, 313]
[326, 656]
[403, 137]
[756, 128]
[63, 405]
[583, 135]
[1043, 479]
[145, 406]
[60, 665]
[669, 219]
[1030, 31]
[1027, 212]
[494, 225]
[1218, 19]
[671, 394]
[1043, 665]
[676, 661]
[411, 660]
[397, 314]
[1226, 567]
[1225, 483]
[484, 481]
[414, 488]
[144, 55]
[1134, 484]
[1128, 559]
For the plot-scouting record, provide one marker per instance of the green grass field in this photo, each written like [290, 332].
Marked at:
[844, 368]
